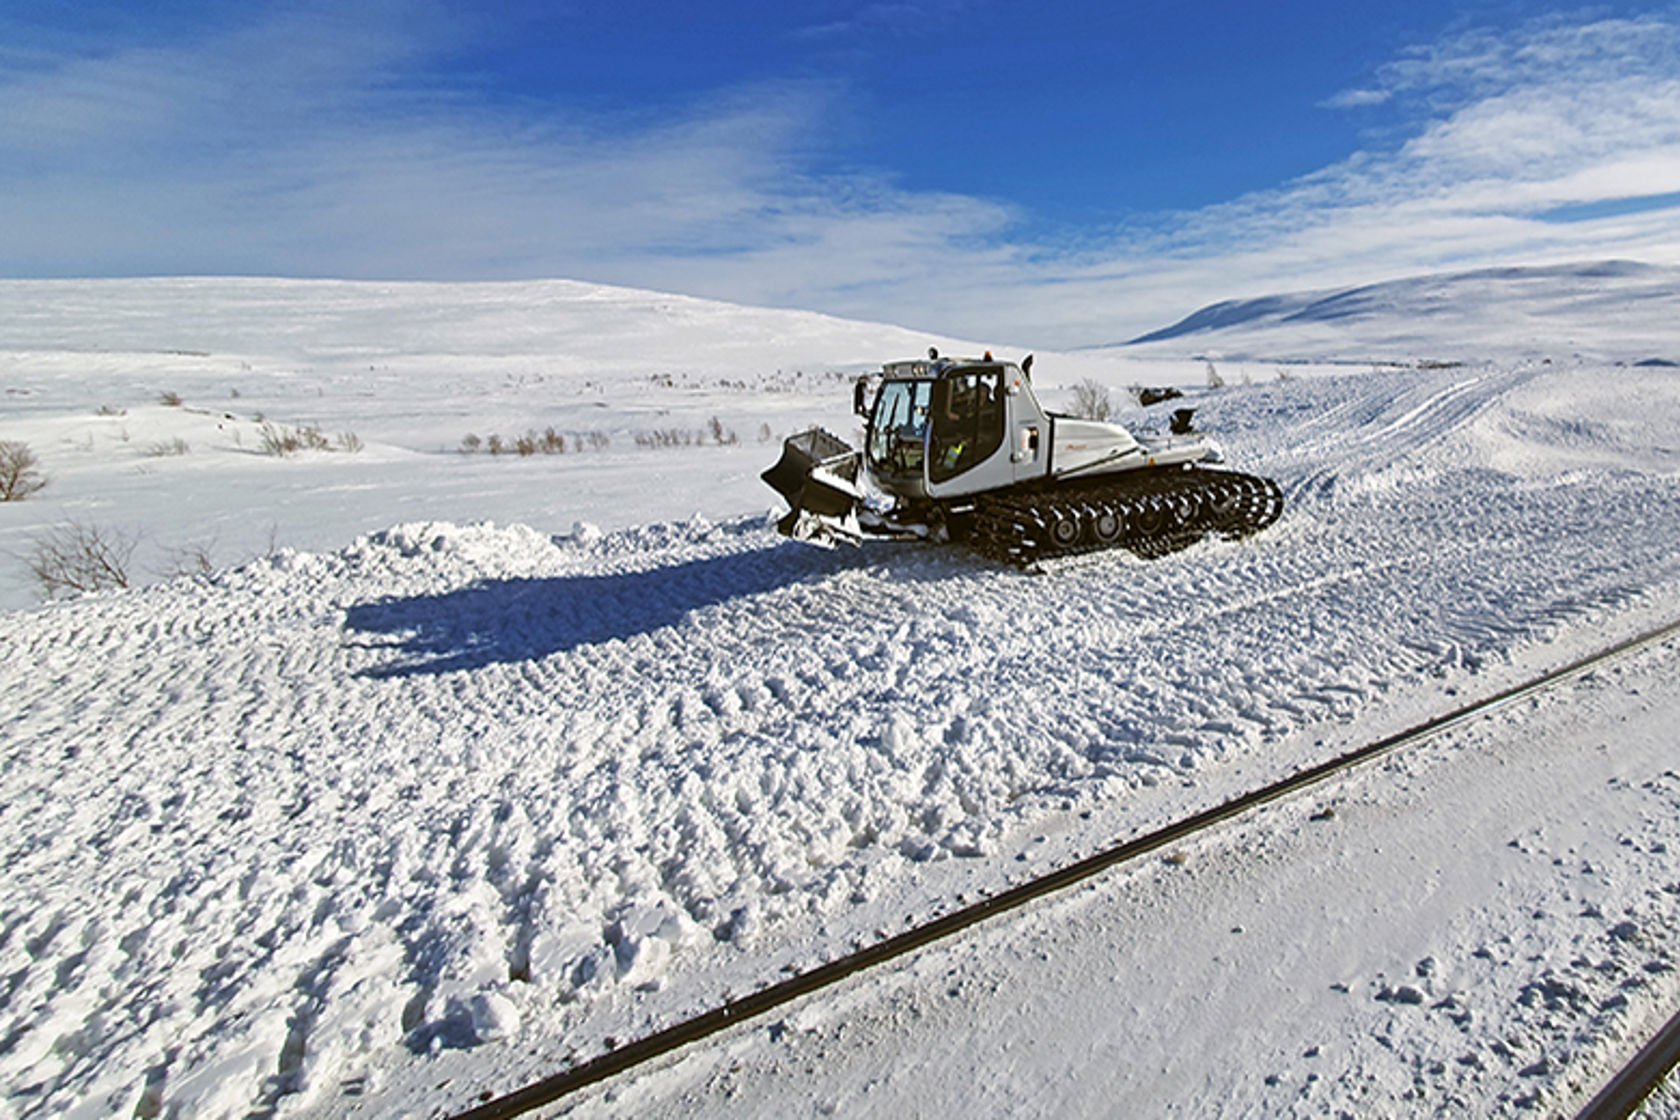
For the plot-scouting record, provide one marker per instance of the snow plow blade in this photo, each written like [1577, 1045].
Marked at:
[817, 476]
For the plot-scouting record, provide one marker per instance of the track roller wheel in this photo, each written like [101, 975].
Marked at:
[1155, 517]
[1107, 527]
[1063, 527]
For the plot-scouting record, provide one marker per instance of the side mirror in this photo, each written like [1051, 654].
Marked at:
[860, 396]
[1026, 366]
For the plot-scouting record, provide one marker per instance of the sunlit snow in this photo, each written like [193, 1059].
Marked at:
[456, 765]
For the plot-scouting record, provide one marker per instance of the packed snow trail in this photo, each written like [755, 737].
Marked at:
[292, 834]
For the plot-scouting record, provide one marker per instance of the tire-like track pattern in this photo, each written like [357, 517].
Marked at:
[1150, 514]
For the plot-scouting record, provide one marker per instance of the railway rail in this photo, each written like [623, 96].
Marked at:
[1623, 1094]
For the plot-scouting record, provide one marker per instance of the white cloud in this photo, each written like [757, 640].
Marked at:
[1356, 99]
[306, 146]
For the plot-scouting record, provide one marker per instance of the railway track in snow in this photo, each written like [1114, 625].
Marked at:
[1624, 1093]
[1617, 1100]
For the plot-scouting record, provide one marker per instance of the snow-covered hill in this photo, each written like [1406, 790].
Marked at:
[623, 377]
[1607, 311]
[484, 760]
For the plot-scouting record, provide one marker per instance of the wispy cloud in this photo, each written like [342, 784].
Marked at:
[879, 18]
[311, 143]
[1503, 131]
[1356, 99]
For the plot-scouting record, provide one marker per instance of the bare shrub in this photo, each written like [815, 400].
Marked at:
[188, 560]
[765, 435]
[169, 398]
[552, 441]
[112, 410]
[1214, 379]
[665, 437]
[1092, 401]
[349, 442]
[169, 447]
[78, 557]
[20, 471]
[277, 439]
[721, 436]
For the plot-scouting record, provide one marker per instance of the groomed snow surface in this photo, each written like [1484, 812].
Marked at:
[376, 828]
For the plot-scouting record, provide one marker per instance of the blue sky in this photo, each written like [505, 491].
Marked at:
[1047, 173]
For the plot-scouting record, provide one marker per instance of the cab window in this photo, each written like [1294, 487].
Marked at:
[967, 421]
[898, 430]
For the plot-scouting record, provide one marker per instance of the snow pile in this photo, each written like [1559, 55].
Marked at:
[308, 831]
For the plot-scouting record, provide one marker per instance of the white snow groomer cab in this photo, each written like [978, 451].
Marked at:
[960, 449]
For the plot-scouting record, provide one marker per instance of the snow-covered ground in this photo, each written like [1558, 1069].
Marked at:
[1482, 925]
[415, 805]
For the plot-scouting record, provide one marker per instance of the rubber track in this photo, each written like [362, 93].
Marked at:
[644, 1050]
[1150, 514]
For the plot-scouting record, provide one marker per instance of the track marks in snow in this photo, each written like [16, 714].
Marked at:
[1387, 431]
[407, 796]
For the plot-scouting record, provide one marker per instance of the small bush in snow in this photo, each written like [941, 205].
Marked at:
[111, 410]
[169, 399]
[765, 435]
[20, 473]
[78, 557]
[190, 560]
[1214, 380]
[550, 441]
[165, 448]
[1092, 401]
[349, 442]
[665, 437]
[720, 435]
[277, 439]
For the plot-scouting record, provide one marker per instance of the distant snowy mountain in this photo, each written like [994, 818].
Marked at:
[1618, 311]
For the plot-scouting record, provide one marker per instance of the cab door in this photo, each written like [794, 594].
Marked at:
[969, 421]
[1029, 429]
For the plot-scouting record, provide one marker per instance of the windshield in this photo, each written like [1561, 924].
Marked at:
[899, 427]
